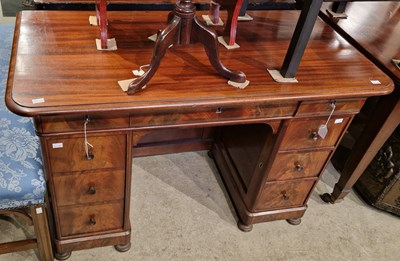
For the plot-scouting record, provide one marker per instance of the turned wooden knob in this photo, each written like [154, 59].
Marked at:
[92, 221]
[285, 196]
[91, 190]
[298, 167]
[314, 135]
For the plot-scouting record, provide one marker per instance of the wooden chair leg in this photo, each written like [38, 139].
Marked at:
[41, 226]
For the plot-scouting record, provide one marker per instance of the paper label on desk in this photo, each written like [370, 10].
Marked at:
[152, 37]
[222, 41]
[208, 21]
[57, 145]
[93, 20]
[340, 120]
[111, 45]
[245, 17]
[124, 84]
[38, 100]
[375, 82]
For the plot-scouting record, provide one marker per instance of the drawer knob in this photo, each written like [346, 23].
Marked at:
[299, 167]
[91, 190]
[285, 196]
[92, 221]
[314, 135]
[90, 155]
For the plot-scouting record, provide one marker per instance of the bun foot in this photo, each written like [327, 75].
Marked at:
[62, 256]
[327, 198]
[123, 248]
[243, 227]
[294, 221]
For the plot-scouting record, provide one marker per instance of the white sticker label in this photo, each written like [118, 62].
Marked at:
[39, 210]
[38, 100]
[375, 82]
[57, 145]
[340, 120]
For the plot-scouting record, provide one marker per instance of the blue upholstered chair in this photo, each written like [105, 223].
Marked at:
[22, 185]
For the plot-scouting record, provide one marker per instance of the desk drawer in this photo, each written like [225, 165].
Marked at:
[210, 114]
[89, 187]
[67, 154]
[302, 133]
[298, 165]
[316, 108]
[284, 194]
[50, 124]
[91, 219]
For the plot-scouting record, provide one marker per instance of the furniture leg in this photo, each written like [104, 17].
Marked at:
[165, 38]
[380, 126]
[101, 16]
[302, 33]
[294, 221]
[233, 8]
[41, 226]
[214, 12]
[123, 248]
[243, 227]
[184, 28]
[339, 7]
[208, 37]
[62, 256]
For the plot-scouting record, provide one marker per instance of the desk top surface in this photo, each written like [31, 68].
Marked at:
[54, 58]
[375, 28]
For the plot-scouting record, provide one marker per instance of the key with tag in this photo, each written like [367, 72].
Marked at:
[323, 129]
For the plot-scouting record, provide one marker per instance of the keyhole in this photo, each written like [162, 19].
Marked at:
[219, 110]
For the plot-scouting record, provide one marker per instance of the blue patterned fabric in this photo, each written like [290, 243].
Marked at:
[21, 168]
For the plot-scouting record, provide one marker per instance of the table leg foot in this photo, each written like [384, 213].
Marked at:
[243, 227]
[62, 256]
[327, 198]
[123, 248]
[294, 221]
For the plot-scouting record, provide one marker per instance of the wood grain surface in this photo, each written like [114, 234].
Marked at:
[55, 58]
[374, 28]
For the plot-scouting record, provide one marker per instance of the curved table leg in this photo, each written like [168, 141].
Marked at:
[206, 36]
[165, 38]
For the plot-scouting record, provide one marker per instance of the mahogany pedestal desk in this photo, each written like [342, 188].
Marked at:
[373, 28]
[264, 138]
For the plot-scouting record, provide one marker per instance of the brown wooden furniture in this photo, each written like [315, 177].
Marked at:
[35, 216]
[263, 138]
[184, 28]
[372, 27]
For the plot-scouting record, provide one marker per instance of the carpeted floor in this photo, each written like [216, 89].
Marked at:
[180, 211]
